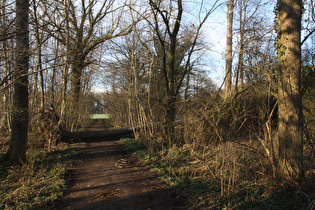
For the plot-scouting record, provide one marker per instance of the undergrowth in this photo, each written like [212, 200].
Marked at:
[36, 183]
[224, 176]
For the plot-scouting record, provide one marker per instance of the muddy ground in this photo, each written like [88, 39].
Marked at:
[108, 176]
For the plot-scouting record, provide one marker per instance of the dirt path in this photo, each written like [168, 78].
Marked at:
[108, 176]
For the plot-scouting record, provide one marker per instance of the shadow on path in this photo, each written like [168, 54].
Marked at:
[108, 176]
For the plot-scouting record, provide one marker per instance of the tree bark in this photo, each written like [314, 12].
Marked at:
[65, 70]
[229, 56]
[76, 74]
[39, 67]
[19, 132]
[242, 22]
[289, 86]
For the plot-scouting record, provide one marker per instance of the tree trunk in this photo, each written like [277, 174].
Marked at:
[169, 69]
[76, 74]
[53, 76]
[289, 86]
[171, 97]
[187, 85]
[229, 56]
[18, 143]
[65, 71]
[170, 115]
[242, 22]
[39, 68]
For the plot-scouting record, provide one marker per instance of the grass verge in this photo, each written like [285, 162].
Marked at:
[223, 177]
[37, 183]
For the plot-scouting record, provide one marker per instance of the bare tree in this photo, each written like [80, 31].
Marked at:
[254, 42]
[168, 69]
[39, 42]
[86, 34]
[82, 27]
[6, 63]
[167, 22]
[309, 19]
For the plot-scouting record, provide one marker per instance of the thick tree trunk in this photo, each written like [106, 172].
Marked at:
[289, 86]
[17, 148]
[78, 64]
[169, 121]
[170, 108]
[76, 82]
[229, 56]
[75, 93]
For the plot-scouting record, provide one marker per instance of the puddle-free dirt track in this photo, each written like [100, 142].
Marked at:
[108, 176]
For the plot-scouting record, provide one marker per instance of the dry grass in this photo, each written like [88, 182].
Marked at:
[223, 156]
[227, 175]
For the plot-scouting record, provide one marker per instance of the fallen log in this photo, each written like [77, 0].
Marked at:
[84, 135]
[68, 136]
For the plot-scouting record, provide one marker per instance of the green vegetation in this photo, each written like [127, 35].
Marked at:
[37, 183]
[223, 176]
[100, 116]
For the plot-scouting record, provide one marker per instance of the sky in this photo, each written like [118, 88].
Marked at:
[214, 34]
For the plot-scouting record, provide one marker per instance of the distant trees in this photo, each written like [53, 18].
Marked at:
[156, 65]
[254, 53]
[166, 27]
[84, 27]
[6, 63]
[64, 35]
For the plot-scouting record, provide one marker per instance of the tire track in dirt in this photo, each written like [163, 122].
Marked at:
[108, 176]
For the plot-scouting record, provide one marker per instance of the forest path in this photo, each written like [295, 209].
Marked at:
[108, 176]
